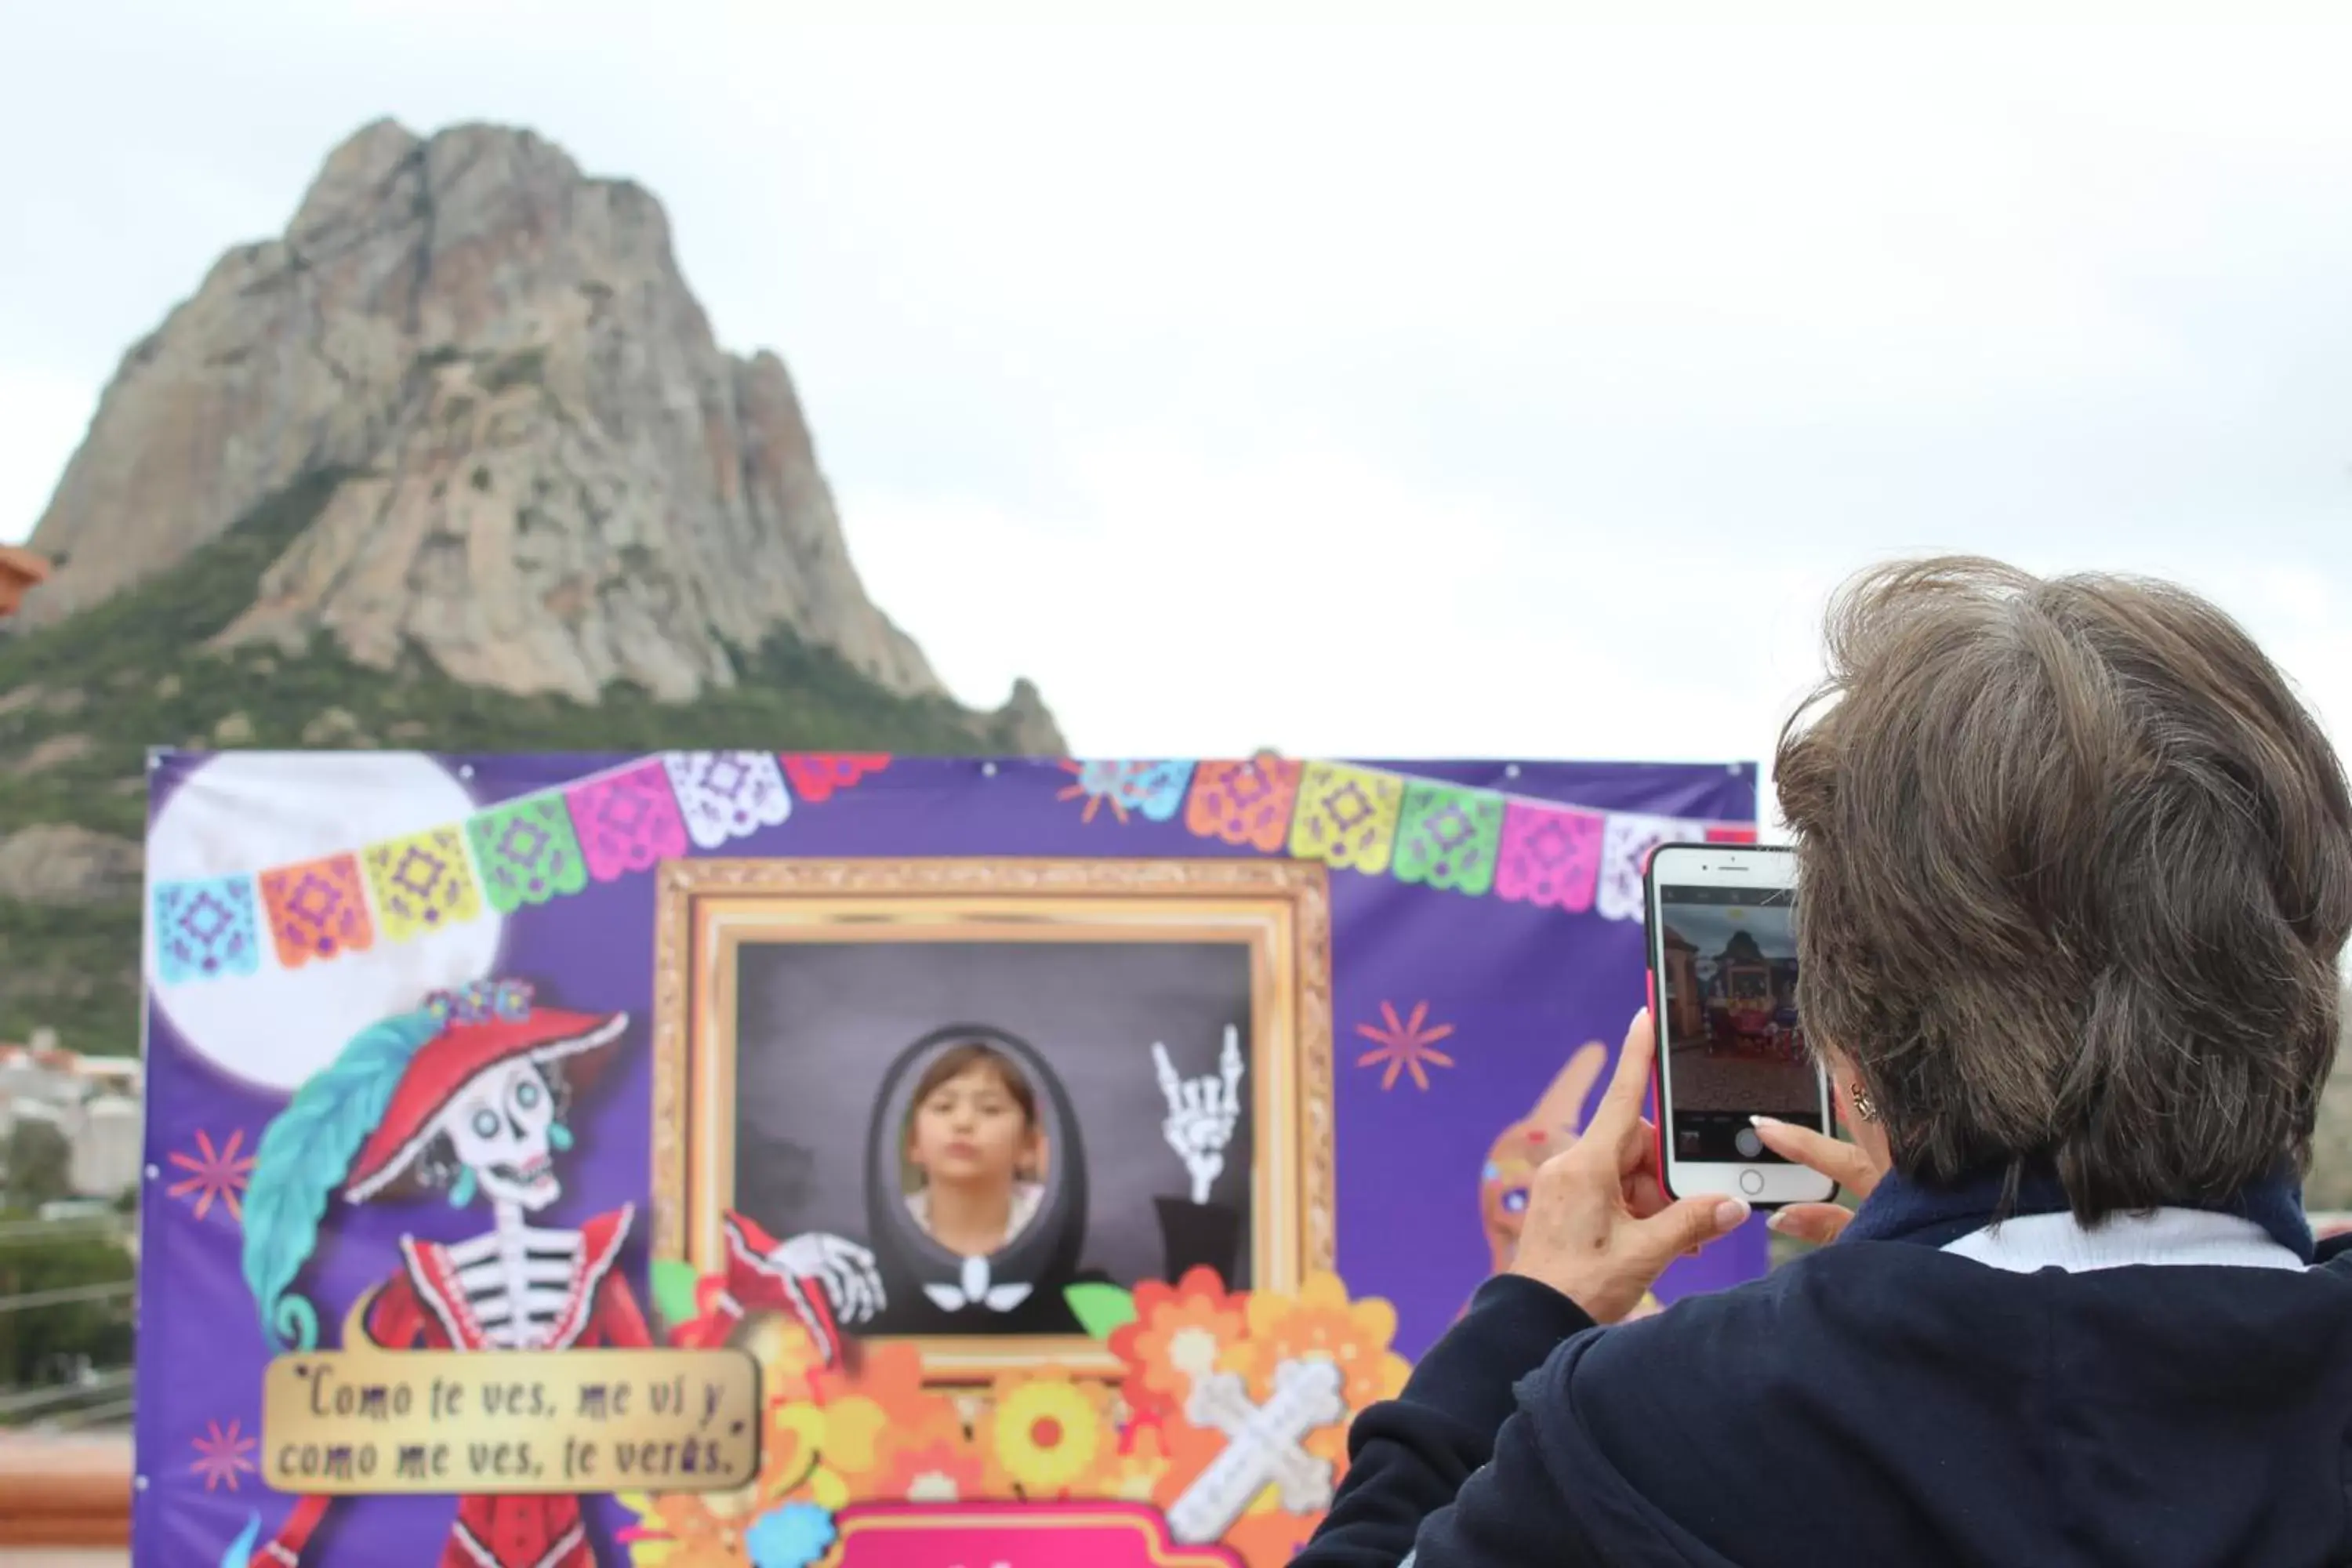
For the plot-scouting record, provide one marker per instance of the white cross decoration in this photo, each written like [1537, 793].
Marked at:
[1262, 1446]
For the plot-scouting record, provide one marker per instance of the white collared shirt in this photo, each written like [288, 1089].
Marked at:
[2037, 1241]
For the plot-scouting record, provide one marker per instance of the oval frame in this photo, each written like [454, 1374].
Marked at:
[1048, 1247]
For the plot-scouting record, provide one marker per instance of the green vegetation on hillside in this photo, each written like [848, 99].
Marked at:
[82, 701]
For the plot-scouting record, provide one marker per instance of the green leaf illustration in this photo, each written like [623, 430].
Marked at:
[674, 1291]
[1102, 1309]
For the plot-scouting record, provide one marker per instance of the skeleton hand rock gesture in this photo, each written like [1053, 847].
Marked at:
[1201, 1112]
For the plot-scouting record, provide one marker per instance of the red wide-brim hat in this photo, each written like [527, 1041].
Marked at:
[573, 1044]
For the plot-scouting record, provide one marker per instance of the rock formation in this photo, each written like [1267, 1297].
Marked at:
[556, 478]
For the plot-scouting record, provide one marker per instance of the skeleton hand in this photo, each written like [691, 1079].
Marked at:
[845, 1269]
[1201, 1112]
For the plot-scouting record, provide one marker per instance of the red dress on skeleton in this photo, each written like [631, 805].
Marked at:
[424, 1308]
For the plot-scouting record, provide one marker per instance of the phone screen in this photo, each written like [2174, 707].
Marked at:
[1729, 1034]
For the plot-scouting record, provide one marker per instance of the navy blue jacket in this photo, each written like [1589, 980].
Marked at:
[1875, 1402]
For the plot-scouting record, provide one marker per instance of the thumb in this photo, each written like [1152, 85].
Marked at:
[1690, 1224]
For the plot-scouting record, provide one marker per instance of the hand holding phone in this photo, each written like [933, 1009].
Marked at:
[1731, 1046]
[1598, 1231]
[1851, 1167]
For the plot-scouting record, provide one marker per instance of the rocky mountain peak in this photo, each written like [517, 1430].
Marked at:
[552, 478]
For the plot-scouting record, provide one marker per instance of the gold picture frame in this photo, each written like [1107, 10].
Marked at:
[708, 911]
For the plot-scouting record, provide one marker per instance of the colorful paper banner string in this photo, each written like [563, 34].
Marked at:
[627, 820]
[1626, 842]
[1468, 839]
[1346, 816]
[1246, 804]
[814, 777]
[1448, 837]
[1550, 856]
[317, 910]
[556, 842]
[205, 929]
[422, 883]
[725, 796]
[527, 851]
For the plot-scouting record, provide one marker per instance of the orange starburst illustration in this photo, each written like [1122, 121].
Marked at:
[1407, 1046]
[213, 1174]
[1100, 785]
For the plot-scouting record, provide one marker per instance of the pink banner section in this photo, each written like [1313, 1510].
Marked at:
[627, 821]
[1016, 1535]
[1550, 856]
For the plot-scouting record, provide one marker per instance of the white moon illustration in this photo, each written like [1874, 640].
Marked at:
[251, 811]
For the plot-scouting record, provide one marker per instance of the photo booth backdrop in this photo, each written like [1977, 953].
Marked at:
[821, 1023]
[1486, 924]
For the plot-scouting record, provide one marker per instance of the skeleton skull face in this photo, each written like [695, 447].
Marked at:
[498, 1125]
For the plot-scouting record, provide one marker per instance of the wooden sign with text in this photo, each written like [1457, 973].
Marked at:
[367, 1421]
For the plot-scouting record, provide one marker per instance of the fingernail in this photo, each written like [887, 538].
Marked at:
[1763, 1121]
[1730, 1215]
[1777, 1220]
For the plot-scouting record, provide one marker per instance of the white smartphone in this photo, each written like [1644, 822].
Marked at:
[1723, 996]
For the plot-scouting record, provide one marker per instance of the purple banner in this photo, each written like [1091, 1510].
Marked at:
[650, 1019]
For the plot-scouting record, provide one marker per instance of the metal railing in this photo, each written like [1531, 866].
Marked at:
[87, 1397]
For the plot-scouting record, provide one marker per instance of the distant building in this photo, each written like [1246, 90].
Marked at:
[20, 570]
[106, 1146]
[93, 1100]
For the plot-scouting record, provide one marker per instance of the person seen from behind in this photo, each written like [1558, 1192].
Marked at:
[2074, 875]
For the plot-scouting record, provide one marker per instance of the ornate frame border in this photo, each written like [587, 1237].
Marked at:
[707, 909]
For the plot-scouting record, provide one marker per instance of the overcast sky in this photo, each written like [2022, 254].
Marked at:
[1360, 390]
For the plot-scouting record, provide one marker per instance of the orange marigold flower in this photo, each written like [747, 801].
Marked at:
[1180, 1332]
[891, 1376]
[1321, 1322]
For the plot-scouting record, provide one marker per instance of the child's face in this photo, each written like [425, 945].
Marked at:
[971, 1128]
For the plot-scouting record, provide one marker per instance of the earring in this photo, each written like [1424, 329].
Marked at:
[559, 1136]
[461, 1191]
[1864, 1110]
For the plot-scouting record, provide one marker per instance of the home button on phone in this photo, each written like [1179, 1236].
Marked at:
[1751, 1182]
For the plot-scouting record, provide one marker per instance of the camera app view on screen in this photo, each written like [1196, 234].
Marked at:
[1734, 1048]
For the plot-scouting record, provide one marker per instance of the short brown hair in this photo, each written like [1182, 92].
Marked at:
[960, 1059]
[2075, 873]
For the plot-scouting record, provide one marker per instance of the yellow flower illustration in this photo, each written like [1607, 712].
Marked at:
[1045, 1435]
[813, 1448]
[793, 1446]
[853, 1426]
